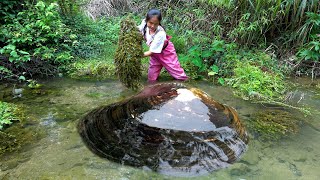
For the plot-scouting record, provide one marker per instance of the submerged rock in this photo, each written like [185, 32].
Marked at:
[168, 128]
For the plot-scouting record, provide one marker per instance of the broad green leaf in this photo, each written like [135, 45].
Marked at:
[206, 53]
[14, 54]
[221, 81]
[10, 47]
[215, 68]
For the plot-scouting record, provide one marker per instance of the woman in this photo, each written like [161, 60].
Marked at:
[161, 51]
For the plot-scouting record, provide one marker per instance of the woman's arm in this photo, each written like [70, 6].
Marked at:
[147, 53]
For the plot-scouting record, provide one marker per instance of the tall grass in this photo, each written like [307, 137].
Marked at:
[270, 18]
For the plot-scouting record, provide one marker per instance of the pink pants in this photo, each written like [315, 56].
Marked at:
[169, 60]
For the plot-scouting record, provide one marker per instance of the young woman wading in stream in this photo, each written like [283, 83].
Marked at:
[161, 50]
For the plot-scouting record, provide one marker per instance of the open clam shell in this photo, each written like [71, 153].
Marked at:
[168, 128]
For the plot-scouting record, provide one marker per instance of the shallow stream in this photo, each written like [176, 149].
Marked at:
[60, 153]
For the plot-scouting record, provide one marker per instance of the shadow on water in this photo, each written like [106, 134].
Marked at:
[61, 153]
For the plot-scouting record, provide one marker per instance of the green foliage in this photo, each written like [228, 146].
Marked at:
[179, 41]
[6, 73]
[218, 61]
[273, 124]
[129, 53]
[214, 71]
[247, 31]
[251, 82]
[37, 32]
[40, 27]
[92, 69]
[68, 7]
[193, 62]
[8, 114]
[8, 9]
[251, 23]
[15, 55]
[95, 38]
[311, 50]
[198, 59]
[262, 19]
[220, 3]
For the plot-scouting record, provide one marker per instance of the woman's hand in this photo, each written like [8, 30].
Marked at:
[147, 53]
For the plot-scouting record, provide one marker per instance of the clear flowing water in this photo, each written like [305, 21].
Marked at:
[61, 154]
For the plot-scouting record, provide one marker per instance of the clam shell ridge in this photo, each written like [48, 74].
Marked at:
[168, 128]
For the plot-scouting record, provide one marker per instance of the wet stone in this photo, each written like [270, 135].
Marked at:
[169, 128]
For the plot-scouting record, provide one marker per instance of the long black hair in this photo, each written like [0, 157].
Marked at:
[150, 14]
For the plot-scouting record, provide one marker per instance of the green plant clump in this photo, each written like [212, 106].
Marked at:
[273, 124]
[129, 53]
[8, 114]
[34, 41]
[95, 38]
[251, 82]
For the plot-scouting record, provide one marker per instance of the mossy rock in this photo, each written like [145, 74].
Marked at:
[273, 124]
[129, 53]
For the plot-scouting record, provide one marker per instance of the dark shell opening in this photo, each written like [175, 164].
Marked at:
[168, 128]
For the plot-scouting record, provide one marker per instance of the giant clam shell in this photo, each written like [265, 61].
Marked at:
[168, 128]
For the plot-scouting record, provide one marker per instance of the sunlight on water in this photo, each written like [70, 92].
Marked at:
[184, 112]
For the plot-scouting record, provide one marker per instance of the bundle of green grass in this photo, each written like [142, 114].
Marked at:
[129, 53]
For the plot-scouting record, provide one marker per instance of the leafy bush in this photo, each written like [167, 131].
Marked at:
[95, 38]
[8, 114]
[251, 82]
[35, 38]
[179, 41]
[218, 60]
[311, 50]
[8, 9]
[199, 58]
